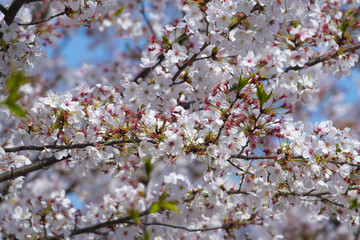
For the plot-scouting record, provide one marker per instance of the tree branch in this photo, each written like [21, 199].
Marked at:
[73, 146]
[106, 224]
[316, 60]
[128, 220]
[142, 10]
[44, 163]
[3, 9]
[290, 157]
[43, 20]
[24, 170]
[14, 9]
[183, 228]
[176, 75]
[95, 227]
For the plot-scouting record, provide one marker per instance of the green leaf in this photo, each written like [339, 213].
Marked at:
[146, 236]
[338, 150]
[296, 23]
[14, 108]
[344, 25]
[171, 205]
[13, 84]
[214, 52]
[148, 167]
[155, 207]
[166, 40]
[134, 215]
[242, 83]
[118, 11]
[163, 196]
[262, 96]
[353, 203]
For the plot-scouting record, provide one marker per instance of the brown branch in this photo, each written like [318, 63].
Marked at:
[320, 59]
[184, 228]
[44, 163]
[186, 64]
[94, 228]
[182, 37]
[14, 9]
[142, 10]
[237, 167]
[73, 146]
[146, 71]
[295, 157]
[24, 170]
[106, 224]
[43, 20]
[128, 220]
[252, 157]
[3, 9]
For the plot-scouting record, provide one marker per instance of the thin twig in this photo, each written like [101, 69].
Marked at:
[186, 64]
[43, 20]
[142, 10]
[93, 228]
[316, 60]
[128, 220]
[183, 228]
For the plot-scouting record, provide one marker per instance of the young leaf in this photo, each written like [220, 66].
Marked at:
[148, 167]
[262, 96]
[134, 215]
[242, 83]
[171, 205]
[155, 207]
[13, 84]
[166, 41]
[14, 108]
[354, 203]
[119, 11]
[344, 25]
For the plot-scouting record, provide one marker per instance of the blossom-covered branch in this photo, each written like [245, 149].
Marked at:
[72, 146]
[36, 165]
[191, 146]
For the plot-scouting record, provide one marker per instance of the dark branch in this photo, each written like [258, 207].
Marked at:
[44, 163]
[322, 58]
[186, 64]
[14, 9]
[184, 228]
[182, 37]
[142, 10]
[42, 21]
[94, 228]
[253, 157]
[290, 157]
[128, 220]
[106, 224]
[73, 146]
[3, 9]
[24, 170]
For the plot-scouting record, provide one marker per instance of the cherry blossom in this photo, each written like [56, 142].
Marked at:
[197, 130]
[9, 32]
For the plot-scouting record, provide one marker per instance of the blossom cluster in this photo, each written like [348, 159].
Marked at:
[197, 142]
